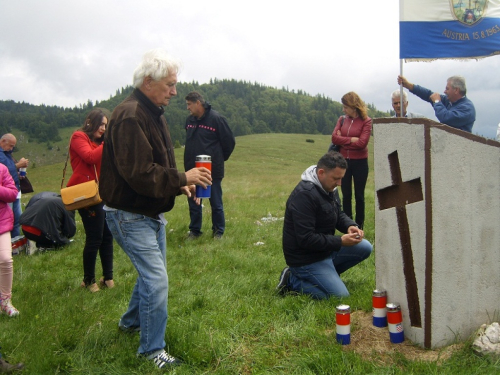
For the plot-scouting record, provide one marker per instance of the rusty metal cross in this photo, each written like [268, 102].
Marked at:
[398, 196]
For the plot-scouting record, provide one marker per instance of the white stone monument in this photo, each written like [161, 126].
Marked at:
[437, 227]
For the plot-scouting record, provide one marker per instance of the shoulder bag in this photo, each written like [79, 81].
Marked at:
[333, 147]
[26, 186]
[82, 195]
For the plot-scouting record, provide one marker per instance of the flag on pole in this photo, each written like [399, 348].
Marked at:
[448, 29]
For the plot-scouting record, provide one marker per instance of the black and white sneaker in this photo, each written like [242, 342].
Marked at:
[282, 287]
[166, 360]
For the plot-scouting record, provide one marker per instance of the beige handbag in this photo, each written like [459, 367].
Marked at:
[82, 195]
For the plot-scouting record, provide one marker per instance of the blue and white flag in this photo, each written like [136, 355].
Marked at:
[448, 29]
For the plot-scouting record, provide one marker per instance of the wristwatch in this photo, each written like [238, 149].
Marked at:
[436, 101]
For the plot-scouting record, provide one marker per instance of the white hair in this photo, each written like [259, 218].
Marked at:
[458, 82]
[397, 94]
[157, 64]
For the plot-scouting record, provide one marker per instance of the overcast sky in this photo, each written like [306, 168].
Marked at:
[64, 52]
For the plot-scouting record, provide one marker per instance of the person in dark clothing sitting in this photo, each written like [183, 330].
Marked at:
[47, 222]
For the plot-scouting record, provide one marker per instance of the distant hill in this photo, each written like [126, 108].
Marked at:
[250, 108]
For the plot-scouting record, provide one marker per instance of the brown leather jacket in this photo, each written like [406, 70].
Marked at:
[138, 171]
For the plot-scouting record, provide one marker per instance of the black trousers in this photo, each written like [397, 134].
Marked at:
[357, 172]
[98, 240]
[41, 240]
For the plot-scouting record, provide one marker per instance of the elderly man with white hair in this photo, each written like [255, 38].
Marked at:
[396, 105]
[139, 183]
[453, 108]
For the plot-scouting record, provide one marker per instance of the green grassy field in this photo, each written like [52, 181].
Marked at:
[224, 316]
[44, 153]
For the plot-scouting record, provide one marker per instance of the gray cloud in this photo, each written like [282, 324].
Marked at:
[63, 53]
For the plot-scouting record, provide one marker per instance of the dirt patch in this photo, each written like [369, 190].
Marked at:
[373, 344]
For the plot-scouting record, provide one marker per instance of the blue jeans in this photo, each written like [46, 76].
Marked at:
[218, 220]
[143, 240]
[322, 279]
[16, 208]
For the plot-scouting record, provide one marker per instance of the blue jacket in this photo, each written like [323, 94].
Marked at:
[460, 115]
[6, 159]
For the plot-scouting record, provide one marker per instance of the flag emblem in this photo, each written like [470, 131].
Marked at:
[469, 12]
[448, 29]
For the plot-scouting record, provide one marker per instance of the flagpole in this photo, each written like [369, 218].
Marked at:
[401, 103]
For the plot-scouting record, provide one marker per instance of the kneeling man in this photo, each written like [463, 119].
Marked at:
[314, 254]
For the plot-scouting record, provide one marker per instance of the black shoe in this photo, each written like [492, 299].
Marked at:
[131, 330]
[282, 287]
[217, 235]
[165, 360]
[193, 235]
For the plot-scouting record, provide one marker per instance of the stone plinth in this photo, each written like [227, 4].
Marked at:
[437, 227]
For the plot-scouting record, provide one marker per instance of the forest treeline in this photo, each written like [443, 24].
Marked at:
[250, 108]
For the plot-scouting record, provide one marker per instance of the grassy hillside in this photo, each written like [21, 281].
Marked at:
[250, 108]
[224, 317]
[44, 153]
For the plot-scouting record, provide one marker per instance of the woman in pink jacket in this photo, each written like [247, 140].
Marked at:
[8, 194]
[352, 134]
[85, 152]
